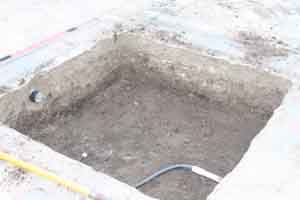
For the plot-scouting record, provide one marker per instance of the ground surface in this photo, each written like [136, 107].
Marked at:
[226, 29]
[135, 127]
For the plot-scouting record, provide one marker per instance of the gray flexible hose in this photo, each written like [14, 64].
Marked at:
[197, 170]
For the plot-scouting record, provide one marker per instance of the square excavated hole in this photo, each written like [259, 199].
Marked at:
[137, 105]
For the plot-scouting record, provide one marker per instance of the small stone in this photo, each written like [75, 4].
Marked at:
[21, 81]
[127, 88]
[84, 155]
[191, 95]
[186, 141]
[37, 97]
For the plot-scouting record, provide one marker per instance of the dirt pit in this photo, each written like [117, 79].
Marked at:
[136, 105]
[135, 126]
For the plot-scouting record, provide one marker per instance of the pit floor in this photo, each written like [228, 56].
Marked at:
[136, 126]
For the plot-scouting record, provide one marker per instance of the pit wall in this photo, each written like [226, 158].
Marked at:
[16, 184]
[63, 86]
[270, 169]
[184, 69]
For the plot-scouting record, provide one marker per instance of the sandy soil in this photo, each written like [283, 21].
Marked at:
[136, 126]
